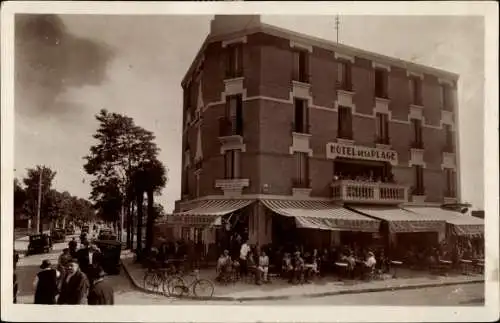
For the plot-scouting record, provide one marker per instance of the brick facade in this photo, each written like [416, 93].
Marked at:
[268, 114]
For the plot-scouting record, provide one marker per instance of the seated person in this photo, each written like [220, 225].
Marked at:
[351, 262]
[298, 268]
[286, 265]
[262, 268]
[224, 264]
[252, 267]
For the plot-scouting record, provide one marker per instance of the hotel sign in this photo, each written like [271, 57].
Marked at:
[334, 150]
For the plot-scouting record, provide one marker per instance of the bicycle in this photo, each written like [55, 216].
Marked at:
[178, 287]
[154, 277]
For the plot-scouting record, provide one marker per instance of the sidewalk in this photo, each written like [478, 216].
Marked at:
[280, 289]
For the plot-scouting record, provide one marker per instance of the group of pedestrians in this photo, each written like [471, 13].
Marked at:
[77, 279]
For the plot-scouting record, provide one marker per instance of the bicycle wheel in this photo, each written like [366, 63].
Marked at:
[148, 279]
[203, 288]
[176, 286]
[153, 282]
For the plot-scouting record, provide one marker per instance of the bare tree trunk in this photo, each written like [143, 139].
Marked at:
[129, 225]
[150, 221]
[140, 202]
[132, 224]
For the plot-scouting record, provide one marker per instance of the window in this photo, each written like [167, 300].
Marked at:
[301, 116]
[382, 128]
[344, 123]
[302, 168]
[417, 133]
[185, 183]
[446, 99]
[418, 189]
[449, 147]
[450, 183]
[344, 75]
[235, 61]
[416, 90]
[233, 123]
[381, 83]
[231, 161]
[300, 66]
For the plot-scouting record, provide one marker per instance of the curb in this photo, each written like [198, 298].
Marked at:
[309, 295]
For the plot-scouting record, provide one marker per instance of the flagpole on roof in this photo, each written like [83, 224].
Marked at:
[337, 24]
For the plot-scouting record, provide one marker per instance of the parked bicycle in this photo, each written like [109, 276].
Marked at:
[200, 287]
[156, 277]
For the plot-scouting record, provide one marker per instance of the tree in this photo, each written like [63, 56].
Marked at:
[150, 177]
[20, 198]
[121, 147]
[32, 183]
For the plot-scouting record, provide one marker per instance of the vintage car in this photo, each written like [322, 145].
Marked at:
[110, 251]
[106, 234]
[39, 243]
[85, 229]
[70, 230]
[58, 235]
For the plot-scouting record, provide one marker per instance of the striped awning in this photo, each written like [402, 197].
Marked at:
[401, 220]
[207, 212]
[460, 224]
[322, 215]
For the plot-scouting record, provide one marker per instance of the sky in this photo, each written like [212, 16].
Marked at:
[68, 67]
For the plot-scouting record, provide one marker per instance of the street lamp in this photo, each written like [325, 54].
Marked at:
[39, 204]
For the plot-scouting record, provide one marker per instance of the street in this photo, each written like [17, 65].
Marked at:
[125, 293]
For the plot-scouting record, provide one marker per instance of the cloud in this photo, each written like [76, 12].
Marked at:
[49, 60]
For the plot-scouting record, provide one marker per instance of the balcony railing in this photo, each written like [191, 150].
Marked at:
[345, 86]
[417, 145]
[228, 127]
[301, 128]
[301, 183]
[369, 192]
[382, 140]
[448, 148]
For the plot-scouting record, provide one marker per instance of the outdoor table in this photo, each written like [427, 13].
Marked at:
[342, 266]
[396, 264]
[466, 266]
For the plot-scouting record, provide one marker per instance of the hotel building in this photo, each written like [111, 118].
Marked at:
[283, 131]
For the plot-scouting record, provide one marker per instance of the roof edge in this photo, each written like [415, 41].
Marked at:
[325, 44]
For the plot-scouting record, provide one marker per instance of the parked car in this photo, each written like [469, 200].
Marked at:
[58, 235]
[39, 243]
[70, 230]
[106, 234]
[110, 250]
[85, 229]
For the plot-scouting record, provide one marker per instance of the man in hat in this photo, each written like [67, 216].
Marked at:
[45, 284]
[101, 292]
[75, 286]
[89, 258]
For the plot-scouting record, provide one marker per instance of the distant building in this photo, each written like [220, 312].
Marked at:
[280, 123]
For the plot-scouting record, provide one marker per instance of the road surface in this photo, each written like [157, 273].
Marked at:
[125, 293]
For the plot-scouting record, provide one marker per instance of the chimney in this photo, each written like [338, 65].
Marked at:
[226, 24]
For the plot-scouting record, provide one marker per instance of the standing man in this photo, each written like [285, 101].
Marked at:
[89, 258]
[73, 246]
[101, 292]
[16, 284]
[75, 286]
[45, 284]
[245, 248]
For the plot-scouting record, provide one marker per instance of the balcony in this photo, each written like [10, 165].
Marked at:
[230, 135]
[301, 187]
[232, 186]
[369, 192]
[417, 145]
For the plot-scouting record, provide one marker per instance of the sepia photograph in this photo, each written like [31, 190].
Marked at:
[235, 159]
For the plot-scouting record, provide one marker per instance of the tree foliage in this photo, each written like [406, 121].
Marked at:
[56, 206]
[124, 165]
